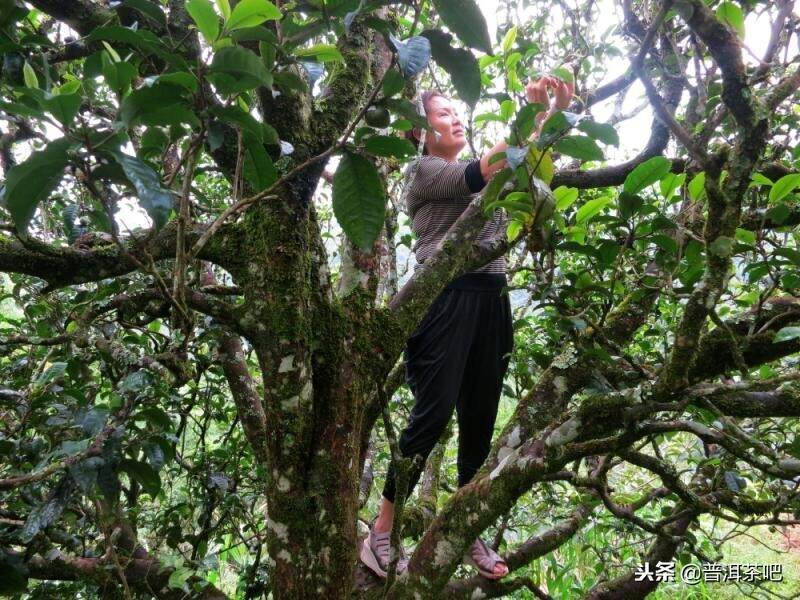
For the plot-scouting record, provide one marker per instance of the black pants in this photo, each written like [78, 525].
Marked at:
[457, 358]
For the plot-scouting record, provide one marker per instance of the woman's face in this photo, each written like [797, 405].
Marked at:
[443, 118]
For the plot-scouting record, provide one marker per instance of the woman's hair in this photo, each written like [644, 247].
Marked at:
[424, 97]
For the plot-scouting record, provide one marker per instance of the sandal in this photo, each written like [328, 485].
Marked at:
[483, 558]
[375, 553]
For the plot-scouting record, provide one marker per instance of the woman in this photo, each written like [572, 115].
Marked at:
[459, 354]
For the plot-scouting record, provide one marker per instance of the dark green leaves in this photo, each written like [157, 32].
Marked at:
[156, 200]
[646, 174]
[143, 474]
[235, 69]
[31, 181]
[393, 83]
[413, 54]
[118, 75]
[579, 146]
[603, 132]
[14, 580]
[465, 19]
[148, 104]
[389, 145]
[358, 199]
[63, 107]
[555, 126]
[46, 513]
[459, 63]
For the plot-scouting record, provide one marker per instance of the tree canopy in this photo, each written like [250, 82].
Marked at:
[205, 291]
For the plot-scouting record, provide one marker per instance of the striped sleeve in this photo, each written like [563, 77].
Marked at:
[438, 179]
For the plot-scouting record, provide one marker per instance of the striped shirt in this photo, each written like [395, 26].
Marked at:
[439, 193]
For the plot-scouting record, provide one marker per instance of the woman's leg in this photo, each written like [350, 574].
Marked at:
[436, 356]
[385, 516]
[477, 406]
[483, 384]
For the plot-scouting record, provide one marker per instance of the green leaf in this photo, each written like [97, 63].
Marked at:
[646, 174]
[359, 201]
[179, 577]
[236, 69]
[579, 146]
[413, 54]
[141, 103]
[555, 126]
[461, 65]
[745, 236]
[565, 197]
[393, 83]
[224, 7]
[525, 121]
[629, 204]
[465, 19]
[148, 9]
[48, 512]
[321, 52]
[508, 39]
[181, 78]
[591, 208]
[52, 373]
[697, 187]
[204, 16]
[542, 163]
[513, 229]
[249, 13]
[118, 75]
[790, 253]
[258, 167]
[671, 182]
[63, 107]
[29, 76]
[786, 334]
[730, 14]
[144, 474]
[155, 200]
[761, 179]
[564, 74]
[407, 110]
[389, 145]
[604, 132]
[783, 187]
[31, 181]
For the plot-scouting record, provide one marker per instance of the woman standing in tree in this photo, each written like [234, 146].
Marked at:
[458, 355]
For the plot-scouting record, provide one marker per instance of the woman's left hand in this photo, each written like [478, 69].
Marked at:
[562, 92]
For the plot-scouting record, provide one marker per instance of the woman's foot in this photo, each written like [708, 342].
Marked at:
[375, 553]
[488, 562]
